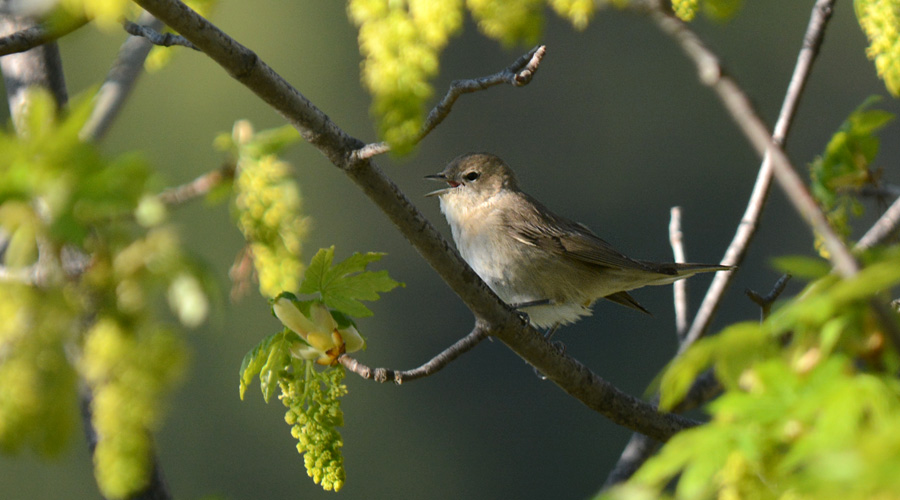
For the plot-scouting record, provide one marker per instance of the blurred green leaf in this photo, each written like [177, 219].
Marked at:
[802, 266]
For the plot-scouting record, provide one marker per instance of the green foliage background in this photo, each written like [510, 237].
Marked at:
[613, 131]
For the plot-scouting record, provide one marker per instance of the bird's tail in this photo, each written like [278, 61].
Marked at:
[675, 271]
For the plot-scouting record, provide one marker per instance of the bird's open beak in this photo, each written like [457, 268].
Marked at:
[440, 177]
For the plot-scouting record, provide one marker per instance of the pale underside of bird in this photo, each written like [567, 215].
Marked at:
[547, 266]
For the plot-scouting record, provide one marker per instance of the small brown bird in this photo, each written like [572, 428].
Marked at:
[547, 266]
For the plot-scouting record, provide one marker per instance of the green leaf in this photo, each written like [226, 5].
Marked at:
[344, 285]
[802, 266]
[267, 359]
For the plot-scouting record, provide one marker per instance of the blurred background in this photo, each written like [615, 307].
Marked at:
[614, 130]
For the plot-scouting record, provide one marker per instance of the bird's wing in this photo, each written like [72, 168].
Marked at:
[567, 238]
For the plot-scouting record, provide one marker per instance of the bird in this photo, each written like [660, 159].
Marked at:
[542, 264]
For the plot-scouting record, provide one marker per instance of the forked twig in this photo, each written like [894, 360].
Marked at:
[516, 74]
[157, 38]
[765, 301]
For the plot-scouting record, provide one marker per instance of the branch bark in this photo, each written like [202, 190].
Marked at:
[573, 377]
[119, 82]
[433, 366]
[639, 448]
[36, 35]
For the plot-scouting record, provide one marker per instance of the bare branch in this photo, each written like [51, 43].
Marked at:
[679, 288]
[317, 129]
[39, 34]
[157, 38]
[517, 74]
[737, 249]
[433, 366]
[765, 302]
[120, 80]
[198, 187]
[883, 228]
[40, 67]
[639, 448]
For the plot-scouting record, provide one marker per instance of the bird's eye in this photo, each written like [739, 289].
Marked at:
[471, 176]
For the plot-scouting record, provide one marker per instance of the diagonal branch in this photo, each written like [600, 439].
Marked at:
[119, 81]
[883, 228]
[737, 250]
[517, 74]
[639, 448]
[317, 129]
[742, 112]
[39, 34]
[433, 366]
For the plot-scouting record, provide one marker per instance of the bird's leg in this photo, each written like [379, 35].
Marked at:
[518, 306]
[550, 331]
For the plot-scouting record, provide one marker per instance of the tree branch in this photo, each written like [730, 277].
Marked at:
[317, 129]
[119, 81]
[640, 448]
[737, 249]
[198, 187]
[742, 112]
[679, 288]
[883, 228]
[39, 67]
[765, 301]
[38, 34]
[433, 366]
[517, 74]
[155, 37]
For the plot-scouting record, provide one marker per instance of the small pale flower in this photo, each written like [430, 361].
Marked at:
[323, 340]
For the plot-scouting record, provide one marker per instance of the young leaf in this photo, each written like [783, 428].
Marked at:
[269, 357]
[344, 285]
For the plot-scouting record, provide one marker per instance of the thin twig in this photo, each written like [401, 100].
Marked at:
[433, 366]
[884, 227]
[157, 38]
[119, 81]
[516, 74]
[318, 129]
[39, 34]
[679, 288]
[40, 66]
[638, 453]
[737, 249]
[198, 187]
[765, 302]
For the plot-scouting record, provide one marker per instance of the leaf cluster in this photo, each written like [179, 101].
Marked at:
[313, 396]
[91, 262]
[810, 405]
[846, 166]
